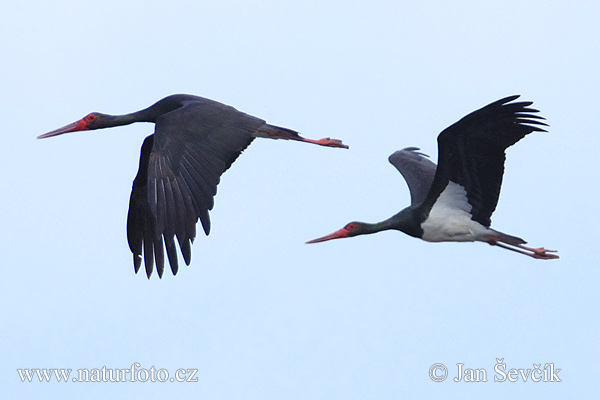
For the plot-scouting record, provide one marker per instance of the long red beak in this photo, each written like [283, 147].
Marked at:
[342, 233]
[80, 125]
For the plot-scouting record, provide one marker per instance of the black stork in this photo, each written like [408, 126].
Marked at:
[454, 201]
[195, 140]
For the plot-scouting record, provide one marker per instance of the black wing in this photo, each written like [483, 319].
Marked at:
[417, 170]
[471, 153]
[180, 168]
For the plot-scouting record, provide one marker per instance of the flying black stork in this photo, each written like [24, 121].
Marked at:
[195, 140]
[454, 201]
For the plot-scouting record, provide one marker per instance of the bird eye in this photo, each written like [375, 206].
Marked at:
[90, 118]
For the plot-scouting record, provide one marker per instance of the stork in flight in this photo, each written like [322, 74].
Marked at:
[453, 201]
[195, 140]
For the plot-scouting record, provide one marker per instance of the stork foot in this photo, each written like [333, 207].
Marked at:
[328, 142]
[542, 253]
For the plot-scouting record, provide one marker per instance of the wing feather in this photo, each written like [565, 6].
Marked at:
[180, 168]
[471, 153]
[417, 170]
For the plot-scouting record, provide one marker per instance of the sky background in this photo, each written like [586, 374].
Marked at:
[258, 313]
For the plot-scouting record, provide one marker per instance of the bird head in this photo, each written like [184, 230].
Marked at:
[91, 121]
[351, 229]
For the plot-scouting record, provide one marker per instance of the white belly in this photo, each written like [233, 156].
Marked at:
[450, 218]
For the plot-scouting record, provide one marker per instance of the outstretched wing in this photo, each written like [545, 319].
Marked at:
[180, 168]
[417, 170]
[472, 153]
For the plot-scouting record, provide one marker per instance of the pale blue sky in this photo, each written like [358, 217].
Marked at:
[260, 314]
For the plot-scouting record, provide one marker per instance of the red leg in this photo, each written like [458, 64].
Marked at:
[275, 132]
[539, 253]
[325, 142]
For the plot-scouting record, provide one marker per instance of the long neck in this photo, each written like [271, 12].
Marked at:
[109, 121]
[368, 228]
[149, 114]
[406, 221]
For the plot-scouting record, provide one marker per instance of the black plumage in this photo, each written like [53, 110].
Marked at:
[195, 141]
[471, 153]
[454, 201]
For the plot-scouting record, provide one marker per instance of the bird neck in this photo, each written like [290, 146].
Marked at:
[406, 221]
[109, 121]
[149, 114]
[366, 228]
[369, 228]
[138, 116]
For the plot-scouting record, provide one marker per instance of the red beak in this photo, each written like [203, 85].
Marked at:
[80, 125]
[342, 233]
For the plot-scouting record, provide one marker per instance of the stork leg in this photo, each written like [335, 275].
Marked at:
[539, 253]
[276, 132]
[328, 142]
